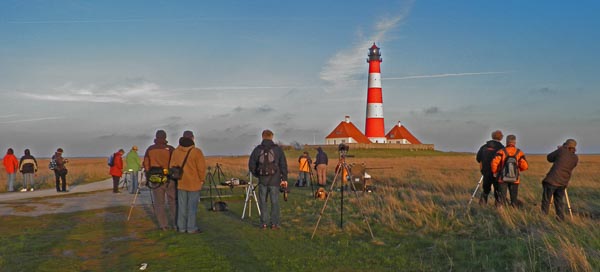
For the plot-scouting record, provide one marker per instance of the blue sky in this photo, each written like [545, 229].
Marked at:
[95, 76]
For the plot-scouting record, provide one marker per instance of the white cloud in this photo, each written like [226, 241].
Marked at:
[346, 66]
[134, 92]
[31, 120]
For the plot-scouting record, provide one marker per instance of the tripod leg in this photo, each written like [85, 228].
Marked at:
[133, 203]
[568, 203]
[475, 192]
[360, 208]
[325, 204]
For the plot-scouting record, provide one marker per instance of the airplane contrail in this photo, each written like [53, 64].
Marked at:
[447, 75]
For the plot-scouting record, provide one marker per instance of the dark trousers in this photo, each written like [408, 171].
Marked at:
[116, 184]
[556, 192]
[488, 181]
[61, 175]
[513, 189]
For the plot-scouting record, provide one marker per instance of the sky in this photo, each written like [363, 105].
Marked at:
[95, 76]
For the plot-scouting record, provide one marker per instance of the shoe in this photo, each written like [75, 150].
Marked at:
[263, 226]
[31, 190]
[117, 192]
[195, 232]
[23, 190]
[165, 228]
[275, 227]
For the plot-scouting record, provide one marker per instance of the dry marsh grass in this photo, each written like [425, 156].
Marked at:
[420, 205]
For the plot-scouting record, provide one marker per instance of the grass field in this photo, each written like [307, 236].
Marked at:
[418, 215]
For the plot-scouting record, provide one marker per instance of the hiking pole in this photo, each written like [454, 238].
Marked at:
[568, 203]
[475, 192]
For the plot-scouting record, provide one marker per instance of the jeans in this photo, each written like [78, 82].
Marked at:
[28, 180]
[116, 183]
[187, 208]
[556, 192]
[488, 181]
[11, 181]
[304, 178]
[133, 176]
[273, 195]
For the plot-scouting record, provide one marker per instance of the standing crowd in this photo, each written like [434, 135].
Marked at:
[501, 166]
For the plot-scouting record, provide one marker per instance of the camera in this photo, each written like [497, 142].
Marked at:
[283, 188]
[343, 148]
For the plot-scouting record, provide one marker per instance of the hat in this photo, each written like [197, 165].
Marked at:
[161, 134]
[570, 143]
[188, 134]
[59, 150]
[267, 134]
[134, 148]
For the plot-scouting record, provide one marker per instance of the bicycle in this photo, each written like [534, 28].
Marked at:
[126, 179]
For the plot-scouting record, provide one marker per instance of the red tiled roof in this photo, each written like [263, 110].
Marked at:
[347, 129]
[400, 132]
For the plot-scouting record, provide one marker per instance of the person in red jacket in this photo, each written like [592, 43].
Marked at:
[116, 170]
[508, 177]
[11, 165]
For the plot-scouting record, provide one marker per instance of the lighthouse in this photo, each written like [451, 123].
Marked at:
[374, 125]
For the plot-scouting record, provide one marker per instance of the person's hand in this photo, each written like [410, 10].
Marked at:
[283, 184]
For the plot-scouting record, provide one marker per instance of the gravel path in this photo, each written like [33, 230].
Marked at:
[96, 195]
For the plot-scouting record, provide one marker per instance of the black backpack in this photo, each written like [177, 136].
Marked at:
[267, 161]
[510, 168]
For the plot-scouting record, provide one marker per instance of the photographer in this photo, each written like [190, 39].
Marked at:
[268, 163]
[60, 171]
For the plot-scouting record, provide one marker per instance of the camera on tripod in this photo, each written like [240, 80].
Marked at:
[343, 149]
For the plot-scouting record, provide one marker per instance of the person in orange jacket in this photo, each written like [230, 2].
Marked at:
[11, 165]
[116, 169]
[506, 166]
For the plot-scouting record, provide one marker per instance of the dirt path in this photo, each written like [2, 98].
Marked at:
[91, 196]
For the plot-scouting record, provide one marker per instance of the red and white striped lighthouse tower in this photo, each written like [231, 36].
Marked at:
[374, 127]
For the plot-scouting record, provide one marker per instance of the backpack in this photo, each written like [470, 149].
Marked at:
[267, 165]
[510, 169]
[111, 160]
[52, 164]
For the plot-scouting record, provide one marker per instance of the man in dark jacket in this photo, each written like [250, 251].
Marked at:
[485, 155]
[60, 171]
[556, 181]
[321, 166]
[157, 157]
[268, 163]
[28, 166]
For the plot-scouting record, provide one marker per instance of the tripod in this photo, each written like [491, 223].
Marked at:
[138, 192]
[475, 192]
[210, 176]
[250, 193]
[341, 167]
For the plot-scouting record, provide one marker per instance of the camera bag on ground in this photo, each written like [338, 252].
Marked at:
[176, 172]
[220, 206]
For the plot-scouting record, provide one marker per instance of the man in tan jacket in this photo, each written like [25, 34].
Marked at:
[192, 162]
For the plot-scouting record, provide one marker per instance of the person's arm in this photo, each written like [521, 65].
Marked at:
[252, 162]
[552, 156]
[497, 161]
[523, 164]
[283, 165]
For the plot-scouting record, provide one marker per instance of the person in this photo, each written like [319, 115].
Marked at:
[116, 169]
[498, 168]
[272, 174]
[485, 155]
[304, 164]
[60, 171]
[28, 167]
[321, 166]
[134, 165]
[192, 162]
[564, 160]
[11, 164]
[158, 156]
